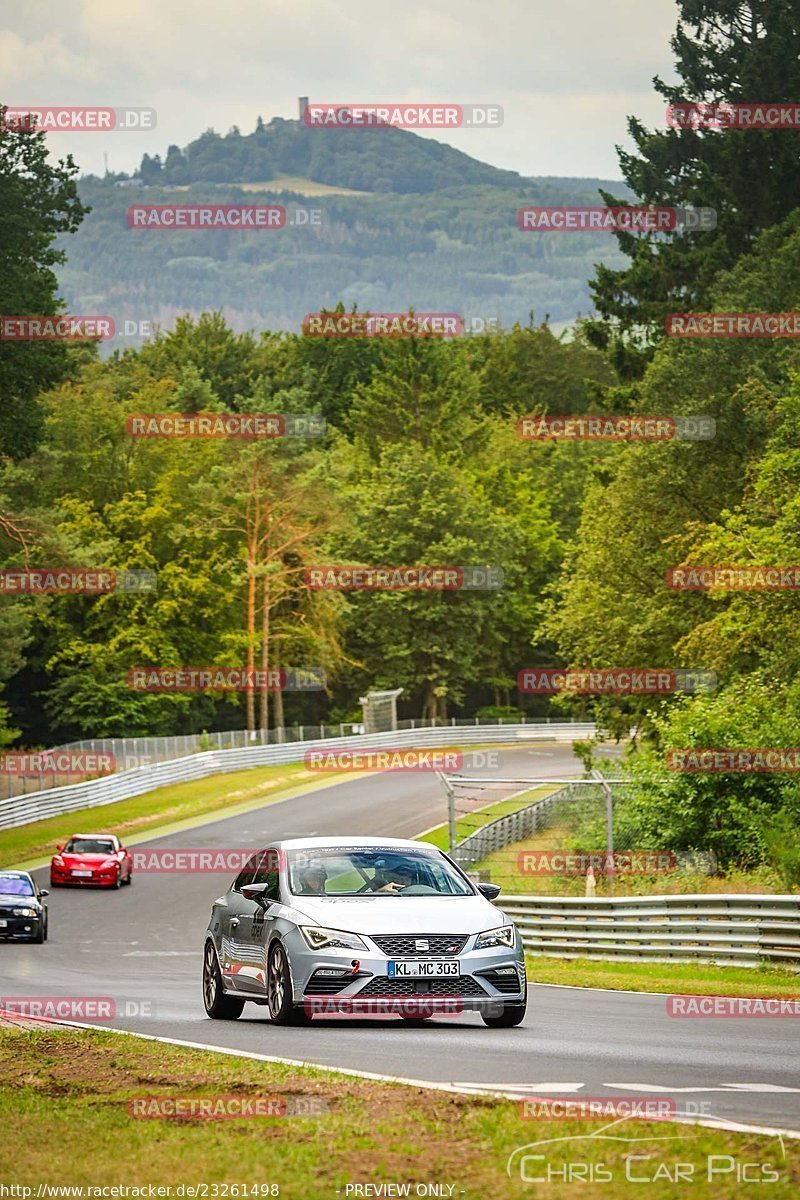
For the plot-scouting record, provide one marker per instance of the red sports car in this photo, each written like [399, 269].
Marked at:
[95, 858]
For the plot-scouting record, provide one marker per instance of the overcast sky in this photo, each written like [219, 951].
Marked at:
[567, 72]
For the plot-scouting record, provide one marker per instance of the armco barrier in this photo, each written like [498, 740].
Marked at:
[514, 827]
[743, 930]
[19, 810]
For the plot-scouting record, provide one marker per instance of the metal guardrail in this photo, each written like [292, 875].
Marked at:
[128, 753]
[743, 930]
[19, 810]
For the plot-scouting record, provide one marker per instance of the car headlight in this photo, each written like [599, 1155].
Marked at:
[111, 862]
[25, 912]
[318, 938]
[504, 935]
[58, 861]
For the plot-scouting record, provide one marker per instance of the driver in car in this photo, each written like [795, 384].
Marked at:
[312, 879]
[392, 877]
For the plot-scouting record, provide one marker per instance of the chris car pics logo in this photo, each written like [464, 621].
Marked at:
[647, 1158]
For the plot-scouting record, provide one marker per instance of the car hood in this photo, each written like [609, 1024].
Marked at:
[398, 914]
[89, 859]
[22, 901]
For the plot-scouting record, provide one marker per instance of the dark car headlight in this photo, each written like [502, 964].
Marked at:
[26, 912]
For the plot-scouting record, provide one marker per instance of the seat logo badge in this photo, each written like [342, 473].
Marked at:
[421, 944]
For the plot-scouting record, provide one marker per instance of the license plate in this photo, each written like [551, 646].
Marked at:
[3, 924]
[423, 968]
[84, 874]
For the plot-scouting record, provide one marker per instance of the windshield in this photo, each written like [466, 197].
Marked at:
[362, 872]
[13, 885]
[89, 846]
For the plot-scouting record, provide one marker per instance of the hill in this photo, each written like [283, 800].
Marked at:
[404, 221]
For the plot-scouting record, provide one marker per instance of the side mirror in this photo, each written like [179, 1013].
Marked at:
[59, 847]
[490, 891]
[255, 891]
[44, 892]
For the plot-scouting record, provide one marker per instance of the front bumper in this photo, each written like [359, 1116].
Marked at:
[22, 929]
[488, 977]
[99, 878]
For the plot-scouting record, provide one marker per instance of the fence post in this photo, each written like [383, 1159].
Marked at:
[609, 828]
[451, 813]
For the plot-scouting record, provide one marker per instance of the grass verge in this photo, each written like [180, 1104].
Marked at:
[467, 823]
[66, 1096]
[504, 869]
[695, 979]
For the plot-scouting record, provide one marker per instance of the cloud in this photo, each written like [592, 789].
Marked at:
[567, 74]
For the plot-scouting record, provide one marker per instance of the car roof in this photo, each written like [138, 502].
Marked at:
[110, 836]
[353, 841]
[15, 875]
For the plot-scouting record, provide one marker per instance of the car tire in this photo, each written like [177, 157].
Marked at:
[117, 881]
[129, 880]
[508, 1016]
[280, 1005]
[40, 935]
[218, 1006]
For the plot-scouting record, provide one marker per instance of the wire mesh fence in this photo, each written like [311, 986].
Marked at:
[579, 838]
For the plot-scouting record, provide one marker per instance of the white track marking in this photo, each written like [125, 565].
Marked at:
[498, 1092]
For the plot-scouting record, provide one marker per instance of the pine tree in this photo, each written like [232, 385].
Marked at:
[726, 51]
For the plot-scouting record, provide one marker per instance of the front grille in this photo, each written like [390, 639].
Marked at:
[463, 985]
[399, 944]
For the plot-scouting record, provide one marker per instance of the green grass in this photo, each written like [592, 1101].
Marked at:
[221, 795]
[504, 869]
[469, 822]
[65, 1094]
[696, 979]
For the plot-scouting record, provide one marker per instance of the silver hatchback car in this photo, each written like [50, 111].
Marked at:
[344, 924]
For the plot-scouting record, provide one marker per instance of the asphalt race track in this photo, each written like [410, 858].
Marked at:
[142, 945]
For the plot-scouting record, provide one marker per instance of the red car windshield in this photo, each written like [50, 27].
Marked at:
[89, 846]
